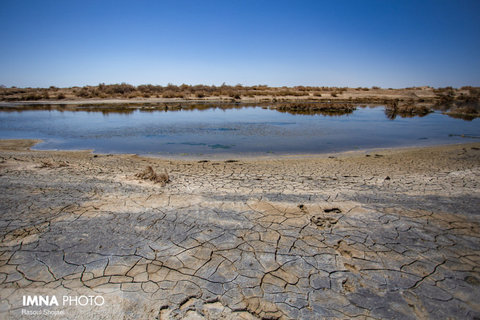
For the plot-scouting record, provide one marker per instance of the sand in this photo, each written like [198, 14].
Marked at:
[378, 234]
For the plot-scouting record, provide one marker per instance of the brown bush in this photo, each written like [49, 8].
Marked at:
[172, 94]
[150, 174]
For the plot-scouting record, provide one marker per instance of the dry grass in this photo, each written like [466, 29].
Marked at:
[52, 165]
[150, 174]
[184, 91]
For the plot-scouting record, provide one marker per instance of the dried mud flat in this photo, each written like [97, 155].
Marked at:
[391, 234]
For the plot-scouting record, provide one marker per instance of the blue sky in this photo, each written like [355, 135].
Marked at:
[322, 43]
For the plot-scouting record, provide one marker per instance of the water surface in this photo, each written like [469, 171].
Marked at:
[247, 130]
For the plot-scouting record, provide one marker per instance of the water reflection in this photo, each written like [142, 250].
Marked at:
[181, 128]
[392, 110]
[466, 117]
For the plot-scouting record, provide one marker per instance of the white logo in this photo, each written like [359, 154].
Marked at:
[40, 301]
[66, 301]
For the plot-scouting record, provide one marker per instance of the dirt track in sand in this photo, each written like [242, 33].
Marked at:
[391, 234]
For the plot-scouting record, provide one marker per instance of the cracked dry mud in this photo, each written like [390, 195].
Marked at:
[302, 238]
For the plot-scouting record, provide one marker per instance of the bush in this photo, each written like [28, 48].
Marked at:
[33, 96]
[172, 94]
[83, 93]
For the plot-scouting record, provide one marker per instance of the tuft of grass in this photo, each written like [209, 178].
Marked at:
[150, 174]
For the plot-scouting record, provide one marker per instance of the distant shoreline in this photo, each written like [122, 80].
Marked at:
[377, 99]
[463, 102]
[123, 93]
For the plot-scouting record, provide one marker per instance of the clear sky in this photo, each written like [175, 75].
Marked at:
[323, 43]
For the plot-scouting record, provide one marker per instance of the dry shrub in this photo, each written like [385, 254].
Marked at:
[50, 165]
[46, 164]
[406, 111]
[150, 174]
[316, 108]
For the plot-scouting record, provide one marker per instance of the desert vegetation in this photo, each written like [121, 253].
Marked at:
[465, 105]
[316, 108]
[184, 91]
[406, 109]
[151, 175]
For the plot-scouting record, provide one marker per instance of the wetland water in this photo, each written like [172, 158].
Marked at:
[243, 130]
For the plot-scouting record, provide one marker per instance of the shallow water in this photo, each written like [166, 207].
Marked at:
[248, 130]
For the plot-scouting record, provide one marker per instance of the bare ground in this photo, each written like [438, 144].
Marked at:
[391, 234]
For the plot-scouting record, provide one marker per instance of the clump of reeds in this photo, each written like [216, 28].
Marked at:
[150, 174]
